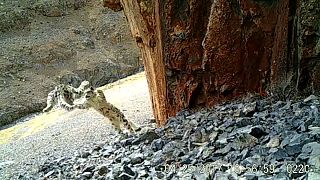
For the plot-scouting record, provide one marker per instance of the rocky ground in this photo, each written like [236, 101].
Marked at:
[28, 144]
[248, 139]
[44, 43]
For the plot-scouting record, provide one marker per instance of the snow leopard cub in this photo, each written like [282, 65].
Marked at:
[64, 95]
[96, 100]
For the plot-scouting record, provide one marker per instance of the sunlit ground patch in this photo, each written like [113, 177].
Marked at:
[45, 120]
[30, 127]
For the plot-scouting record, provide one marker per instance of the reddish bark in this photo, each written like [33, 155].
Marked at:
[199, 53]
[231, 57]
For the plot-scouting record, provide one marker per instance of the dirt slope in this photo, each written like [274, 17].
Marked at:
[40, 48]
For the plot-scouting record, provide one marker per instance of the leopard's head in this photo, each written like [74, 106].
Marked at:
[89, 93]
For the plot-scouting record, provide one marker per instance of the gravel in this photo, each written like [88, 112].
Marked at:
[248, 139]
[71, 133]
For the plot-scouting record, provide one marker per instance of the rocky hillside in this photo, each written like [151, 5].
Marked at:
[46, 42]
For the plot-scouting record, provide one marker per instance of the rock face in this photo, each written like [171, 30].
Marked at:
[45, 43]
[204, 52]
[272, 142]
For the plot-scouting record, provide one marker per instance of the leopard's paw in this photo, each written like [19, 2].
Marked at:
[47, 109]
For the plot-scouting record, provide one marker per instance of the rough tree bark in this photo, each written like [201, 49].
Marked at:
[199, 53]
[144, 21]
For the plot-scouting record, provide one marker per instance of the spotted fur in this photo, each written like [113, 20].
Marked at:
[97, 101]
[64, 95]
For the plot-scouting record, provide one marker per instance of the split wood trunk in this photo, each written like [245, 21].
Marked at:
[201, 52]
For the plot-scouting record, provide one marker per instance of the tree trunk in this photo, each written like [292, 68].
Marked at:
[144, 21]
[199, 53]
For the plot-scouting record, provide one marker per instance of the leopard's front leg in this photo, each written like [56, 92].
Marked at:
[50, 102]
